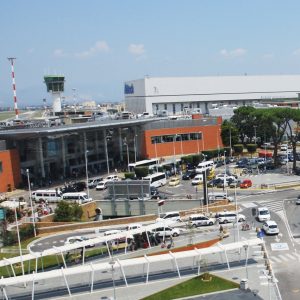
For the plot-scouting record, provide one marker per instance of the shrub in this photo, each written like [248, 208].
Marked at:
[141, 172]
[129, 175]
[251, 148]
[238, 148]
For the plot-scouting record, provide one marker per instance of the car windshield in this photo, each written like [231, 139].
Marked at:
[273, 226]
[264, 212]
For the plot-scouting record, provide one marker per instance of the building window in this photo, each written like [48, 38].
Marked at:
[1, 167]
[166, 106]
[174, 108]
[181, 106]
[156, 107]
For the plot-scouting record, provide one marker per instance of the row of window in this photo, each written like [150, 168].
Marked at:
[192, 136]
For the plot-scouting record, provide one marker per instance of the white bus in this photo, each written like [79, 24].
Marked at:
[79, 197]
[46, 195]
[143, 163]
[157, 179]
[205, 165]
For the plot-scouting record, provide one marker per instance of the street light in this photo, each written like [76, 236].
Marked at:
[126, 144]
[230, 142]
[112, 263]
[19, 240]
[87, 173]
[174, 154]
[134, 141]
[106, 138]
[155, 154]
[30, 199]
[225, 171]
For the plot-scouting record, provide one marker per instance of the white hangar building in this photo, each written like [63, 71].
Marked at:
[178, 95]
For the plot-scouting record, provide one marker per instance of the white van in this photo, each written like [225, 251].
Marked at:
[205, 165]
[171, 216]
[46, 195]
[263, 214]
[219, 196]
[228, 216]
[79, 197]
[197, 179]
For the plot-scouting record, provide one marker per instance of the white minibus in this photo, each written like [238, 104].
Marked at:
[157, 179]
[46, 195]
[79, 197]
[205, 165]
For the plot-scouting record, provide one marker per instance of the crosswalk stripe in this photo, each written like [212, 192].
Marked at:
[275, 258]
[283, 257]
[291, 256]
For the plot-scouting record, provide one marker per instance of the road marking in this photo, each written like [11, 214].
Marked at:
[248, 205]
[275, 258]
[283, 257]
[279, 246]
[291, 256]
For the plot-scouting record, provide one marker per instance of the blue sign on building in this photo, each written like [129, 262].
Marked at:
[129, 89]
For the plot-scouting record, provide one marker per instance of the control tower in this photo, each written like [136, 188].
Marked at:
[55, 85]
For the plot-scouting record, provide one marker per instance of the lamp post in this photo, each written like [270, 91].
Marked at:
[127, 151]
[198, 141]
[87, 173]
[112, 263]
[218, 145]
[106, 153]
[155, 154]
[134, 140]
[202, 135]
[225, 173]
[18, 234]
[30, 199]
[181, 145]
[174, 154]
[230, 142]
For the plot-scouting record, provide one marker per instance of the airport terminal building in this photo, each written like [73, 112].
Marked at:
[63, 152]
[181, 95]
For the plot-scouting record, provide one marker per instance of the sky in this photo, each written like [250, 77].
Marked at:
[98, 45]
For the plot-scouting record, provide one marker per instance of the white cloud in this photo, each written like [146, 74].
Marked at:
[100, 46]
[136, 49]
[59, 53]
[297, 52]
[238, 52]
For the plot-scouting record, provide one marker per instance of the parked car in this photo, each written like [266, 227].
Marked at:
[200, 220]
[171, 216]
[298, 200]
[174, 181]
[214, 182]
[102, 185]
[227, 176]
[94, 182]
[159, 196]
[235, 183]
[197, 180]
[270, 227]
[228, 216]
[166, 231]
[75, 239]
[190, 174]
[245, 184]
[79, 186]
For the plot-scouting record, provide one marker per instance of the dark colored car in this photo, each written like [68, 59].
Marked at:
[214, 182]
[159, 196]
[189, 175]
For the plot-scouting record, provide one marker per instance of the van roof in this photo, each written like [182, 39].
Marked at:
[262, 208]
[45, 191]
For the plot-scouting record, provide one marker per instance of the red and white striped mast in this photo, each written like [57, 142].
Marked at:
[11, 59]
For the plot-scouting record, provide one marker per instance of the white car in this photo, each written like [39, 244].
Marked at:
[270, 227]
[263, 214]
[76, 239]
[197, 179]
[228, 177]
[228, 216]
[166, 231]
[169, 216]
[200, 220]
[102, 185]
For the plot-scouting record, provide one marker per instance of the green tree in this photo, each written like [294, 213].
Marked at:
[274, 122]
[251, 148]
[244, 120]
[141, 172]
[229, 134]
[67, 212]
[238, 149]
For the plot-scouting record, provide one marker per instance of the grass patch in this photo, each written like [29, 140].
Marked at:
[194, 286]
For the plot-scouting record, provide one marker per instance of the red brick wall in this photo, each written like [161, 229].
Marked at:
[10, 169]
[211, 139]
